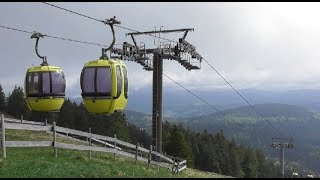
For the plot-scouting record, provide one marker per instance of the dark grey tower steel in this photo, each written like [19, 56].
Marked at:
[282, 145]
[157, 102]
[142, 55]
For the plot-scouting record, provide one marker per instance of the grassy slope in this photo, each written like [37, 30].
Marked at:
[40, 162]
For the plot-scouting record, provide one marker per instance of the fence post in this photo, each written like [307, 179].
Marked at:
[55, 140]
[149, 159]
[90, 142]
[173, 164]
[115, 145]
[46, 124]
[136, 155]
[177, 168]
[21, 119]
[4, 153]
[159, 161]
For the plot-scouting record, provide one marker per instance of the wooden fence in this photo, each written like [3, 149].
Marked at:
[102, 143]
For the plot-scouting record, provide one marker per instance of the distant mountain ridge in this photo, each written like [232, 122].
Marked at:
[180, 103]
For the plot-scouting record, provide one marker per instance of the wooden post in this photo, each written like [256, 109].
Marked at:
[173, 164]
[55, 140]
[46, 123]
[136, 155]
[90, 143]
[4, 152]
[115, 145]
[21, 119]
[149, 159]
[177, 168]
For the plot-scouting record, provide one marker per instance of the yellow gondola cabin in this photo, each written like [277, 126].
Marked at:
[45, 88]
[104, 85]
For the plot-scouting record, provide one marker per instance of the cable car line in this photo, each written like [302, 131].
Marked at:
[72, 11]
[219, 111]
[56, 37]
[194, 94]
[16, 29]
[259, 114]
[126, 28]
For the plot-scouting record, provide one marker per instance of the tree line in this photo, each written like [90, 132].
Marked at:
[202, 150]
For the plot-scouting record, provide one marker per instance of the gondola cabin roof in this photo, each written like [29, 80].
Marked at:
[43, 68]
[102, 62]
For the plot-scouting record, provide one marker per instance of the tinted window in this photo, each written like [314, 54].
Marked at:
[33, 82]
[29, 86]
[45, 82]
[88, 80]
[119, 81]
[103, 80]
[39, 83]
[125, 79]
[58, 82]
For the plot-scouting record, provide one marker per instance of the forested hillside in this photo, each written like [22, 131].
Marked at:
[280, 120]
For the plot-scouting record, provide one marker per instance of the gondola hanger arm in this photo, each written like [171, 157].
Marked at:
[37, 36]
[110, 22]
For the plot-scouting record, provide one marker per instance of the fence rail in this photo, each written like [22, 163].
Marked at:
[28, 143]
[107, 144]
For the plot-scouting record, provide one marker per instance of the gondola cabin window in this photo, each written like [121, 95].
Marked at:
[58, 82]
[125, 79]
[96, 81]
[33, 83]
[119, 81]
[46, 83]
[104, 81]
[88, 80]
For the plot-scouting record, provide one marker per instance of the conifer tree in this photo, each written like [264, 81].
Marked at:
[236, 170]
[2, 99]
[177, 145]
[16, 103]
[119, 126]
[250, 164]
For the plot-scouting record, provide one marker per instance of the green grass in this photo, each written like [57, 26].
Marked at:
[40, 162]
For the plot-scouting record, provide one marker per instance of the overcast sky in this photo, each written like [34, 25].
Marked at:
[264, 45]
